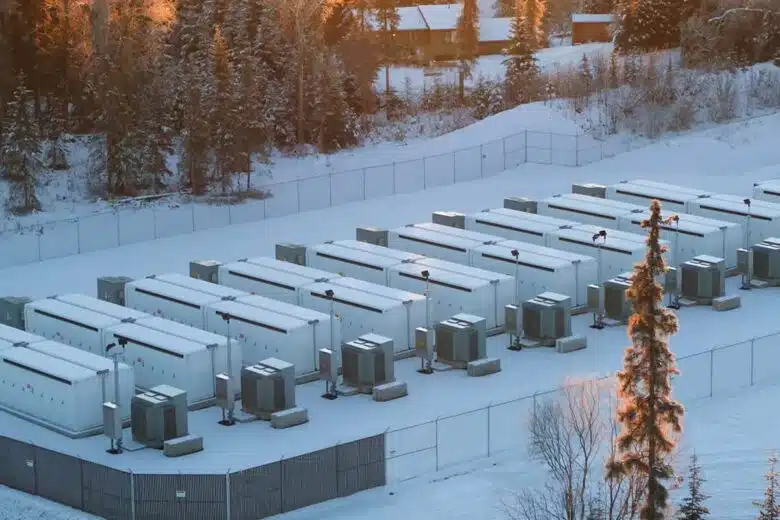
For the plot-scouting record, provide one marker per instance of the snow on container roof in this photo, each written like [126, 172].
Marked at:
[155, 339]
[378, 290]
[73, 355]
[173, 293]
[495, 29]
[526, 258]
[183, 331]
[284, 308]
[266, 275]
[79, 315]
[353, 256]
[288, 267]
[734, 204]
[617, 205]
[426, 236]
[615, 241]
[352, 297]
[5, 345]
[542, 220]
[545, 251]
[669, 187]
[592, 18]
[532, 226]
[587, 206]
[443, 277]
[265, 318]
[13, 335]
[46, 366]
[462, 270]
[119, 312]
[194, 284]
[397, 254]
[476, 236]
[770, 185]
[687, 224]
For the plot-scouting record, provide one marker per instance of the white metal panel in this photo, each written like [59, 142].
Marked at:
[476, 236]
[56, 391]
[262, 333]
[672, 198]
[158, 358]
[764, 216]
[768, 191]
[401, 256]
[585, 210]
[288, 267]
[103, 307]
[413, 302]
[349, 262]
[203, 337]
[96, 363]
[360, 312]
[195, 284]
[432, 243]
[516, 225]
[74, 326]
[318, 321]
[265, 281]
[168, 301]
[13, 335]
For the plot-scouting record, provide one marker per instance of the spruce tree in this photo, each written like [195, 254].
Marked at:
[647, 413]
[769, 508]
[387, 20]
[467, 32]
[534, 13]
[693, 507]
[20, 153]
[222, 115]
[522, 71]
[598, 6]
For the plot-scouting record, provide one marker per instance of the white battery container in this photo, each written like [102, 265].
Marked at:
[75, 326]
[764, 216]
[119, 312]
[587, 210]
[12, 335]
[172, 302]
[673, 199]
[516, 225]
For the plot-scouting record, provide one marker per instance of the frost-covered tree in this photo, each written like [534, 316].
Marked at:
[648, 25]
[20, 152]
[598, 6]
[534, 13]
[222, 115]
[467, 34]
[387, 20]
[648, 414]
[522, 71]
[769, 508]
[693, 507]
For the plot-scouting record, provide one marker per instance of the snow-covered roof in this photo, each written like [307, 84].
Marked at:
[440, 17]
[592, 18]
[495, 29]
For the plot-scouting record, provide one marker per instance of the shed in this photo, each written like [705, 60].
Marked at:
[494, 35]
[587, 28]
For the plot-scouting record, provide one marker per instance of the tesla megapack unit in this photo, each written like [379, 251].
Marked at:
[692, 236]
[12, 336]
[159, 415]
[267, 387]
[619, 252]
[434, 243]
[58, 394]
[456, 288]
[764, 216]
[703, 278]
[12, 311]
[547, 317]
[540, 268]
[161, 358]
[270, 278]
[768, 191]
[367, 362]
[196, 284]
[587, 210]
[460, 340]
[766, 261]
[361, 263]
[113, 310]
[262, 333]
[673, 199]
[516, 225]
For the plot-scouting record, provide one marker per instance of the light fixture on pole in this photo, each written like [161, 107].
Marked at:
[331, 391]
[227, 413]
[746, 278]
[598, 316]
[116, 447]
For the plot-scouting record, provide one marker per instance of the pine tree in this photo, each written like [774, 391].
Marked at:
[598, 6]
[20, 153]
[648, 414]
[693, 507]
[534, 13]
[522, 71]
[467, 32]
[769, 508]
[387, 19]
[649, 25]
[222, 115]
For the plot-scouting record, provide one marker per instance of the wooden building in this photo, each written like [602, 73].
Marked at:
[586, 28]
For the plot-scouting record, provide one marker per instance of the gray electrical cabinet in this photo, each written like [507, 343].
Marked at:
[523, 204]
[12, 311]
[224, 397]
[513, 322]
[461, 339]
[367, 362]
[268, 387]
[547, 317]
[112, 288]
[112, 421]
[293, 253]
[591, 190]
[672, 280]
[371, 235]
[703, 278]
[207, 270]
[424, 342]
[449, 218]
[158, 415]
[766, 260]
[616, 303]
[595, 297]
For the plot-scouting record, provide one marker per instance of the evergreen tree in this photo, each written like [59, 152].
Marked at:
[648, 414]
[598, 6]
[387, 19]
[693, 507]
[467, 32]
[20, 152]
[222, 116]
[534, 13]
[522, 71]
[769, 508]
[649, 25]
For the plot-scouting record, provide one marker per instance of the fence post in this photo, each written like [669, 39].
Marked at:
[154, 222]
[534, 414]
[503, 151]
[482, 161]
[39, 232]
[393, 177]
[454, 167]
[488, 429]
[330, 190]
[752, 360]
[551, 147]
[712, 367]
[192, 215]
[227, 495]
[437, 444]
[425, 173]
[364, 183]
[118, 230]
[132, 495]
[298, 194]
[78, 236]
[577, 150]
[525, 145]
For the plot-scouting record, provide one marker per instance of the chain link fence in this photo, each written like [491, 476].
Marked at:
[169, 216]
[455, 439]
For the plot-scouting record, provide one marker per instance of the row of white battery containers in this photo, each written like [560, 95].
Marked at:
[540, 269]
[764, 215]
[57, 384]
[262, 327]
[362, 307]
[158, 350]
[454, 288]
[689, 237]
